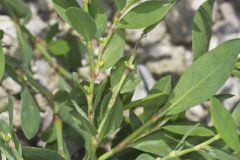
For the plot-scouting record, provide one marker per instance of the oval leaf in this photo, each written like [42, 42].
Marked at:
[98, 13]
[114, 49]
[204, 77]
[130, 83]
[62, 5]
[2, 62]
[30, 115]
[24, 46]
[59, 47]
[224, 124]
[145, 14]
[120, 4]
[202, 29]
[82, 22]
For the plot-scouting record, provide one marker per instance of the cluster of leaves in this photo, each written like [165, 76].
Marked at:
[88, 113]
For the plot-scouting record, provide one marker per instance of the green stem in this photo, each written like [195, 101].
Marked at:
[62, 71]
[85, 5]
[11, 145]
[26, 77]
[115, 93]
[132, 136]
[106, 40]
[92, 81]
[58, 128]
[201, 146]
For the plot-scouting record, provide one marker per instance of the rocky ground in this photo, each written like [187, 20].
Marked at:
[165, 50]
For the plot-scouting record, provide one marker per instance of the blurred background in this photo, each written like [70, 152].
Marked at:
[165, 50]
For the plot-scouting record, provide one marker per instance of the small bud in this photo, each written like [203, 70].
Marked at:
[129, 65]
[8, 137]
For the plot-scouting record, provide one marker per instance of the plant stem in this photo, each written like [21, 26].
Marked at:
[131, 137]
[85, 5]
[115, 93]
[201, 146]
[106, 40]
[24, 76]
[11, 145]
[62, 71]
[92, 81]
[58, 127]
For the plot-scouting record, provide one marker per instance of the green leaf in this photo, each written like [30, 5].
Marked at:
[4, 127]
[145, 14]
[98, 13]
[145, 157]
[183, 128]
[202, 29]
[86, 124]
[33, 153]
[49, 135]
[158, 143]
[82, 22]
[60, 96]
[236, 73]
[72, 51]
[154, 105]
[30, 115]
[117, 72]
[114, 49]
[163, 85]
[146, 100]
[59, 47]
[236, 115]
[104, 105]
[149, 28]
[220, 155]
[2, 62]
[52, 32]
[16, 8]
[135, 121]
[62, 5]
[6, 151]
[204, 77]
[222, 97]
[1, 34]
[10, 110]
[130, 83]
[224, 124]
[120, 4]
[24, 46]
[112, 121]
[99, 93]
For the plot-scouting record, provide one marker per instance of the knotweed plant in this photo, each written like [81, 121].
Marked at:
[88, 112]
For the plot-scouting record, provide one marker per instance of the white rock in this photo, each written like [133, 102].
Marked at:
[11, 85]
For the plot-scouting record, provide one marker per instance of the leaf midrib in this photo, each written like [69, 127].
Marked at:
[197, 85]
